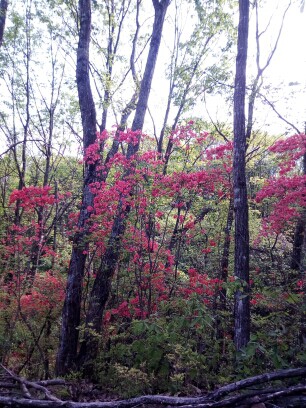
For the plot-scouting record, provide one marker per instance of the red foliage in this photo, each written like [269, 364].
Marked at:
[47, 293]
[32, 196]
[288, 192]
[290, 151]
[157, 202]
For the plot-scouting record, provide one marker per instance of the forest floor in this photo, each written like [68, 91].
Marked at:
[283, 388]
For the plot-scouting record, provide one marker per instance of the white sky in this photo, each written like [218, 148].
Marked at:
[290, 58]
[288, 65]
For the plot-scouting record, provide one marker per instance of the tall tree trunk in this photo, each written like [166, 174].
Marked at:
[226, 250]
[241, 269]
[3, 10]
[221, 326]
[302, 266]
[71, 311]
[298, 244]
[102, 284]
[26, 122]
[41, 237]
[298, 240]
[67, 353]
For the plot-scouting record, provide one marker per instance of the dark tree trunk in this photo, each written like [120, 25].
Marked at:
[3, 10]
[38, 245]
[226, 251]
[302, 267]
[302, 334]
[299, 233]
[221, 325]
[241, 269]
[102, 285]
[26, 123]
[71, 312]
[297, 244]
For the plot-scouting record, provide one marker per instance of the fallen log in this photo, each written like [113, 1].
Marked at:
[294, 395]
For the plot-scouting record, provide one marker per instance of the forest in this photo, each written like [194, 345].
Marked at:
[152, 205]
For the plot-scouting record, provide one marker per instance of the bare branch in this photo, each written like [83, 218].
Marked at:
[278, 113]
[258, 80]
[12, 147]
[277, 39]
[25, 384]
[211, 400]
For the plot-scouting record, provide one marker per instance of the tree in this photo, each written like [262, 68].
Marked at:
[191, 74]
[72, 307]
[71, 312]
[3, 10]
[101, 287]
[241, 268]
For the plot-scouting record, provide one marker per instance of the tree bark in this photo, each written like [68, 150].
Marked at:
[3, 11]
[102, 285]
[226, 250]
[297, 244]
[221, 330]
[241, 268]
[302, 268]
[72, 307]
[299, 235]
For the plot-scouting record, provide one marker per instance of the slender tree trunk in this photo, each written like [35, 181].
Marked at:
[102, 284]
[302, 266]
[225, 254]
[177, 118]
[241, 269]
[40, 241]
[55, 223]
[26, 123]
[3, 10]
[297, 244]
[302, 334]
[221, 326]
[298, 240]
[72, 306]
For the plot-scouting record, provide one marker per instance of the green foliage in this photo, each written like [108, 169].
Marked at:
[174, 352]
